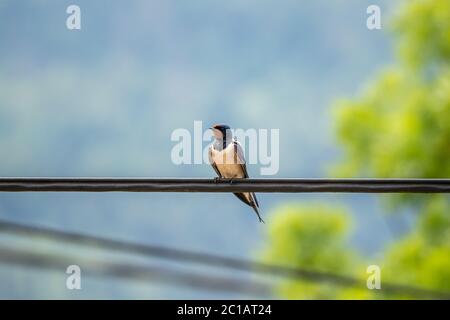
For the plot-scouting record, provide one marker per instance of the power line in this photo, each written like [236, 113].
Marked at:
[211, 259]
[129, 271]
[22, 184]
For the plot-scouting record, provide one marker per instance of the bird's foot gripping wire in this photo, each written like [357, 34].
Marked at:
[218, 179]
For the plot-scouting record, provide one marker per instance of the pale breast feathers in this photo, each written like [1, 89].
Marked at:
[230, 162]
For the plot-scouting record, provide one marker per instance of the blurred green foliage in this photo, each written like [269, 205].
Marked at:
[315, 237]
[423, 257]
[423, 33]
[398, 127]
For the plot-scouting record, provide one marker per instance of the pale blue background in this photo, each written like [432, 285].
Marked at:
[104, 100]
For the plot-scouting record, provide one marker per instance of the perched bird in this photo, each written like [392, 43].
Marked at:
[227, 159]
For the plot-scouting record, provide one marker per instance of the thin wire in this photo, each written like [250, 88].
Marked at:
[73, 184]
[129, 271]
[211, 259]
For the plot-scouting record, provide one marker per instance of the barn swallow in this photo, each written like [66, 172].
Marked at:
[227, 159]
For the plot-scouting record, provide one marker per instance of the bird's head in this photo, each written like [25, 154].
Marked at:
[221, 131]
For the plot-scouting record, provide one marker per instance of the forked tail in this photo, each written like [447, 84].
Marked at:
[257, 212]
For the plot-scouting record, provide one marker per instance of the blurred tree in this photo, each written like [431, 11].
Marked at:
[423, 257]
[313, 237]
[399, 127]
[316, 238]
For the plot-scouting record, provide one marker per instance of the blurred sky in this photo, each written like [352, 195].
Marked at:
[104, 100]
